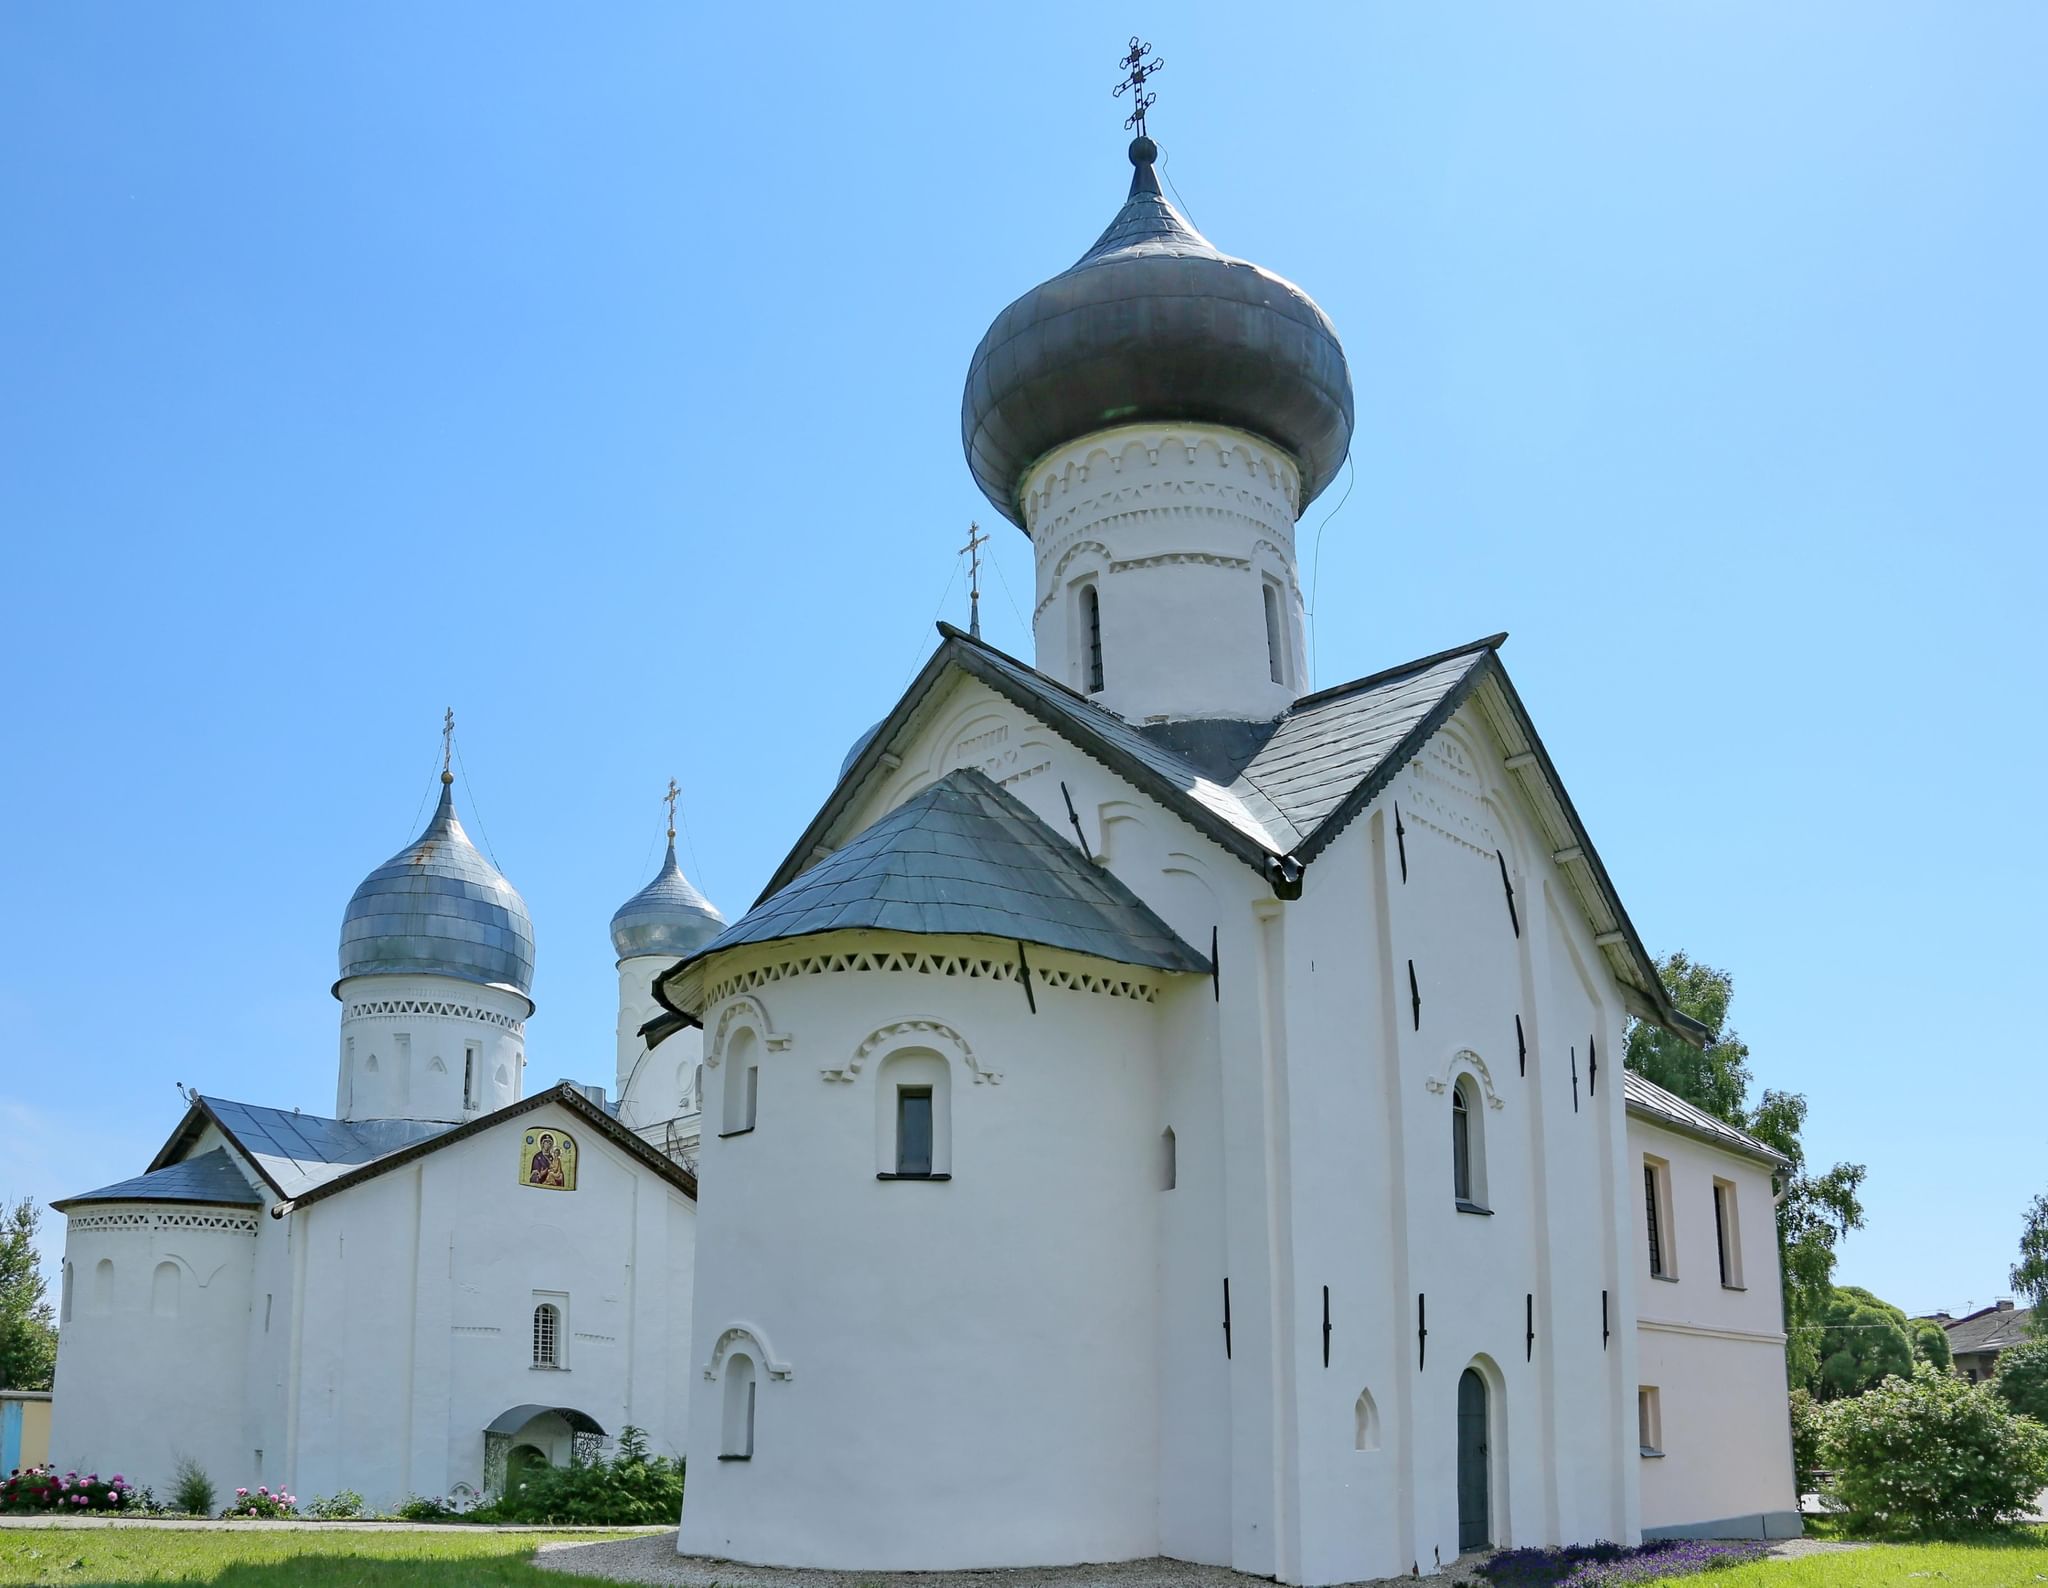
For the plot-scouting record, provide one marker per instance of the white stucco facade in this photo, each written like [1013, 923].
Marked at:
[1710, 1342]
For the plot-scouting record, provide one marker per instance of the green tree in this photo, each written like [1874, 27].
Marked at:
[1930, 1344]
[28, 1332]
[2030, 1273]
[1863, 1342]
[2022, 1379]
[1816, 1210]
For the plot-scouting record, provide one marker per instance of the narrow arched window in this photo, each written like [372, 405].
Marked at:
[64, 1316]
[1461, 1145]
[103, 1285]
[1276, 649]
[163, 1290]
[737, 1443]
[1091, 637]
[547, 1335]
[1169, 1160]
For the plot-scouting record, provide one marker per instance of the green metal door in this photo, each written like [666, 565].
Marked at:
[1473, 1531]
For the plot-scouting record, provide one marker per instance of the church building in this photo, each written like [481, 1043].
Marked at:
[450, 1277]
[1158, 1109]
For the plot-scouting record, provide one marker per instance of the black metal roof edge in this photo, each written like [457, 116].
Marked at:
[198, 1114]
[663, 1026]
[91, 1198]
[1370, 787]
[1387, 675]
[1747, 1147]
[562, 1092]
[1669, 1016]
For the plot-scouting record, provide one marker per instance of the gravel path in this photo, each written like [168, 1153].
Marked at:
[653, 1560]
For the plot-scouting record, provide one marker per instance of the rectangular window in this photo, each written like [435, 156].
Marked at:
[1091, 637]
[550, 1329]
[913, 1130]
[472, 1080]
[1657, 1217]
[1461, 1147]
[1276, 651]
[1649, 1421]
[1728, 1234]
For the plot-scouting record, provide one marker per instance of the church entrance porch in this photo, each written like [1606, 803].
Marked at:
[523, 1437]
[1474, 1500]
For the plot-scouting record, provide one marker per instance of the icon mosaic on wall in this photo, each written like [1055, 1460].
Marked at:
[547, 1158]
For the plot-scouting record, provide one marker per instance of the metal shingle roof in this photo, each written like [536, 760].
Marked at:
[1647, 1100]
[211, 1179]
[966, 858]
[297, 1152]
[1991, 1329]
[668, 916]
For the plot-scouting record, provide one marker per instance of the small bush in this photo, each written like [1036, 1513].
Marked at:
[2022, 1379]
[335, 1507]
[1931, 1455]
[438, 1508]
[262, 1505]
[191, 1488]
[47, 1489]
[632, 1489]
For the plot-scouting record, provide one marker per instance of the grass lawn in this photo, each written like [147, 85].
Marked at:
[2017, 1562]
[309, 1558]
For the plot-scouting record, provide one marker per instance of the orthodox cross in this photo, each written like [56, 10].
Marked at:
[669, 799]
[1138, 69]
[447, 744]
[975, 541]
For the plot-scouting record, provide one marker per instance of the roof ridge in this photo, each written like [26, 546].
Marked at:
[1491, 642]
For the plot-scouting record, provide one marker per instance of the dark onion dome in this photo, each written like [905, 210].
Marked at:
[668, 916]
[439, 908]
[859, 745]
[1154, 324]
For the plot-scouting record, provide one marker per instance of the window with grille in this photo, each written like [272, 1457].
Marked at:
[913, 1130]
[1091, 636]
[1657, 1218]
[1727, 1234]
[547, 1335]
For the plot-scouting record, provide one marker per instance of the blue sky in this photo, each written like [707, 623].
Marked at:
[596, 370]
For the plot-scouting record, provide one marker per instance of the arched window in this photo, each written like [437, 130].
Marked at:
[103, 1285]
[1276, 646]
[163, 1291]
[742, 1082]
[1091, 638]
[1468, 1148]
[547, 1335]
[1169, 1160]
[913, 1122]
[737, 1443]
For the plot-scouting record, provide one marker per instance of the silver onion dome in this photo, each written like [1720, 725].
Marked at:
[439, 908]
[668, 916]
[1154, 323]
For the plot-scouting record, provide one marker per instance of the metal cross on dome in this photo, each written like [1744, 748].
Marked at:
[447, 741]
[1138, 68]
[674, 793]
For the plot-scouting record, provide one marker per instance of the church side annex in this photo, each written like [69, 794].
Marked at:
[1158, 1111]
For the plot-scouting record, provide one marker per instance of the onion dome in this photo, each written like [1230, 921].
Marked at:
[667, 917]
[1153, 323]
[859, 745]
[439, 908]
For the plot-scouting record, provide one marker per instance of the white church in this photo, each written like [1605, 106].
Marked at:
[1155, 1109]
[450, 1277]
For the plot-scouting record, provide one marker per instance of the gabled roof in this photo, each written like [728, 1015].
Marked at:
[1649, 1101]
[965, 858]
[1991, 1329]
[1291, 787]
[209, 1180]
[305, 1157]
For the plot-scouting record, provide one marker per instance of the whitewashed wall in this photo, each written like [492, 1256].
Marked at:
[414, 1303]
[404, 1040]
[1715, 1355]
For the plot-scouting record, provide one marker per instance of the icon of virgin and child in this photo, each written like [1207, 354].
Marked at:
[547, 1159]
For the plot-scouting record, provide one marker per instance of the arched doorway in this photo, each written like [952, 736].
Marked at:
[520, 1460]
[1474, 1501]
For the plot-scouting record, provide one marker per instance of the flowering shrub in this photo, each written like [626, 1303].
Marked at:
[2022, 1379]
[337, 1507]
[1605, 1565]
[634, 1488]
[45, 1489]
[263, 1504]
[1930, 1455]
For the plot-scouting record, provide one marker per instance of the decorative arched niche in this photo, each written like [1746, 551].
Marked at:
[1365, 1416]
[744, 1336]
[745, 1011]
[917, 1031]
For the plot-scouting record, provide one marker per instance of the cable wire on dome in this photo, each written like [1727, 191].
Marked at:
[1315, 576]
